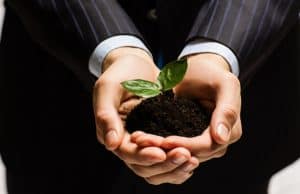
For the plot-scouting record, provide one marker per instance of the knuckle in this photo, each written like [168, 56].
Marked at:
[230, 113]
[102, 116]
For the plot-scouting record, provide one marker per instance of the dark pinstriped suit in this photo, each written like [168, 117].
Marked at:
[47, 132]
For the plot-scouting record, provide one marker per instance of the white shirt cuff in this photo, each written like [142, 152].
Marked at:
[101, 51]
[203, 46]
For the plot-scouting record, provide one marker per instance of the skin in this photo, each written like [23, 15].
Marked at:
[208, 79]
[111, 105]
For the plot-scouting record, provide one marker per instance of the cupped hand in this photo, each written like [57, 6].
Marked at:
[209, 81]
[109, 97]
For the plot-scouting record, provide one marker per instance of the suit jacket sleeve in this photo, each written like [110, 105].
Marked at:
[71, 29]
[251, 28]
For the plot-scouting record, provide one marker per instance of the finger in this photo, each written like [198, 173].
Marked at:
[237, 132]
[109, 128]
[135, 135]
[145, 139]
[203, 147]
[127, 106]
[227, 109]
[217, 154]
[175, 158]
[99, 134]
[203, 144]
[177, 176]
[106, 99]
[130, 153]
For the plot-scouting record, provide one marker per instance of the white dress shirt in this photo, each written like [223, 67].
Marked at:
[196, 46]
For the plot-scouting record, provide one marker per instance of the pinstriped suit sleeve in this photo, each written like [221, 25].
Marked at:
[71, 29]
[251, 28]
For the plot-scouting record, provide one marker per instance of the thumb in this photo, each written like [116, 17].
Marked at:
[226, 113]
[110, 129]
[223, 120]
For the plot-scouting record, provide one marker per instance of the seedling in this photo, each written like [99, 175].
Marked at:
[168, 78]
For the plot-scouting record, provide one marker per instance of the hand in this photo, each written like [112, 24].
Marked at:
[208, 79]
[111, 105]
[110, 100]
[176, 169]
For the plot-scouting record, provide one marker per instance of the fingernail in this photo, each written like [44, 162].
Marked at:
[188, 168]
[110, 137]
[179, 160]
[223, 132]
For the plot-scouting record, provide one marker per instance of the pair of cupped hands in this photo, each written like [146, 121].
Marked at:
[172, 159]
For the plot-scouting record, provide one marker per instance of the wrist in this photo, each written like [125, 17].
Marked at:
[212, 58]
[118, 53]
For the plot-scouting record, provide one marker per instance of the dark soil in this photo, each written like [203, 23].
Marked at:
[165, 115]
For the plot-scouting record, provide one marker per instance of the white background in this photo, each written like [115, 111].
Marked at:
[285, 182]
[2, 179]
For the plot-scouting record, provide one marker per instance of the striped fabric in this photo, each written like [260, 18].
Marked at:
[248, 27]
[91, 20]
[251, 28]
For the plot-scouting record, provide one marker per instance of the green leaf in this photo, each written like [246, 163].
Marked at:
[142, 88]
[172, 74]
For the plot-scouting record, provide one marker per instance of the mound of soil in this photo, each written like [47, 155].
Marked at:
[165, 115]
